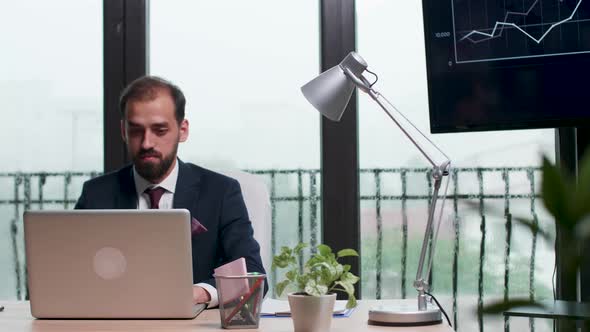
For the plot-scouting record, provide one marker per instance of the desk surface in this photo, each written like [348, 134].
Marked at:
[553, 309]
[17, 317]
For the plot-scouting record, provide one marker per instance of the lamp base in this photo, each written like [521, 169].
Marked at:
[404, 315]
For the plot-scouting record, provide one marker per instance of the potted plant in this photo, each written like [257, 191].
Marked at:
[312, 304]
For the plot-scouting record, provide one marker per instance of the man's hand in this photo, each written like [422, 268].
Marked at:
[200, 295]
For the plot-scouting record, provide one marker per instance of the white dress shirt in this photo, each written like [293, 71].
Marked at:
[143, 203]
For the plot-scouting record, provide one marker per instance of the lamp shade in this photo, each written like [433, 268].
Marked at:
[330, 92]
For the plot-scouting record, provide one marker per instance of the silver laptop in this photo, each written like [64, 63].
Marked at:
[110, 264]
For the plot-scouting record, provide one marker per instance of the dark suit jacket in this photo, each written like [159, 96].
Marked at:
[213, 199]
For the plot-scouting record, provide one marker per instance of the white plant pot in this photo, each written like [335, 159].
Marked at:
[311, 313]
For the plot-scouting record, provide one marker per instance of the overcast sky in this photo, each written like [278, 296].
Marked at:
[241, 75]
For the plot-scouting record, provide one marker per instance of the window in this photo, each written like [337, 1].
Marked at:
[240, 65]
[51, 83]
[395, 189]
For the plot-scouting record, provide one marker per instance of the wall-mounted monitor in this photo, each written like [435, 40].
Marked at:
[507, 64]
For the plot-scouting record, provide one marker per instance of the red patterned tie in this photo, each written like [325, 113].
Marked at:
[155, 194]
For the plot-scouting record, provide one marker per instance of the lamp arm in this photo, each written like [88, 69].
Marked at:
[441, 167]
[431, 232]
[427, 148]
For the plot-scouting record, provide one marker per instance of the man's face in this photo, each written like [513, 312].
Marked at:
[152, 134]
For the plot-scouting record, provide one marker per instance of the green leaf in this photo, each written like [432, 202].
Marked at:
[302, 281]
[314, 260]
[285, 251]
[349, 278]
[280, 286]
[582, 230]
[323, 272]
[339, 270]
[315, 289]
[347, 267]
[501, 306]
[324, 250]
[351, 301]
[347, 252]
[581, 199]
[279, 262]
[325, 266]
[555, 194]
[298, 248]
[348, 287]
[283, 259]
[292, 275]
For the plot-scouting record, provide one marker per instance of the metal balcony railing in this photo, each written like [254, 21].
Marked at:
[296, 202]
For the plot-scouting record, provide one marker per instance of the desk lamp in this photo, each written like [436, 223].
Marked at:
[329, 93]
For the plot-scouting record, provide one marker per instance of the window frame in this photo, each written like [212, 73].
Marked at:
[126, 58]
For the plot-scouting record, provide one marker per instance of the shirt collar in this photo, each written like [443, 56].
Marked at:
[169, 183]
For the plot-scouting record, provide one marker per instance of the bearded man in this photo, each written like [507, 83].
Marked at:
[152, 126]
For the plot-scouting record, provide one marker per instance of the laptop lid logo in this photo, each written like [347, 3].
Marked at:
[109, 263]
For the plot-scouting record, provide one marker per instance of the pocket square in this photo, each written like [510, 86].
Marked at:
[197, 227]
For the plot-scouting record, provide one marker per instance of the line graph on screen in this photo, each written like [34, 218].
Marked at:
[514, 29]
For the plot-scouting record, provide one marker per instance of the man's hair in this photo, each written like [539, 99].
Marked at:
[147, 88]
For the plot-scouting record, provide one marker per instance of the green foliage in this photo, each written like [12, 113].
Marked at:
[568, 201]
[322, 273]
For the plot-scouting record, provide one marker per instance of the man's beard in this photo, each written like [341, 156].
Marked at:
[154, 171]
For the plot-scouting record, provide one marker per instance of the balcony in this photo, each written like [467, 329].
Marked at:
[481, 253]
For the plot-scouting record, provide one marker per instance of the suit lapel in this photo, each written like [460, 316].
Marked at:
[187, 188]
[185, 197]
[127, 199]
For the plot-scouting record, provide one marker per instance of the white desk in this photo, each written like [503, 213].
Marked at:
[16, 317]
